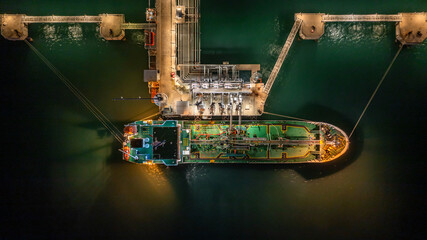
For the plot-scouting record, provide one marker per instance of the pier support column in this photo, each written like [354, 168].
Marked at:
[111, 26]
[13, 28]
[412, 29]
[312, 27]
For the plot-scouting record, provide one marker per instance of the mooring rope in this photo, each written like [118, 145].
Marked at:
[86, 102]
[375, 92]
[285, 116]
[146, 118]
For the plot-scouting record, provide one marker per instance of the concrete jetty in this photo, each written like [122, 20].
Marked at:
[412, 29]
[13, 27]
[110, 26]
[312, 27]
[164, 63]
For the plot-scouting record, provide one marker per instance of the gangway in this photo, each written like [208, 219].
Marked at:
[282, 56]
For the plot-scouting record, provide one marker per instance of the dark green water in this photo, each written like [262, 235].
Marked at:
[64, 178]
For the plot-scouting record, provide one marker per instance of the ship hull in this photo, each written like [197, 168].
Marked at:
[251, 142]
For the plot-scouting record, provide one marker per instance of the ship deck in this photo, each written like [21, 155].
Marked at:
[175, 142]
[255, 142]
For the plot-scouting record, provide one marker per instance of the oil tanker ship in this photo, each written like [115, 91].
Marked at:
[173, 142]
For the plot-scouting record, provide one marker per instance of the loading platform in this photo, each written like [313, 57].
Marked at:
[189, 88]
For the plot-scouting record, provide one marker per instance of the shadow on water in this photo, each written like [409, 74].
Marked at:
[102, 133]
[96, 126]
[131, 200]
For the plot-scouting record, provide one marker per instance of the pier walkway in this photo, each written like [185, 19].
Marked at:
[362, 18]
[112, 26]
[138, 26]
[61, 19]
[282, 56]
[165, 61]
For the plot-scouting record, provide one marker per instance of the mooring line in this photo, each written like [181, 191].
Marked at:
[376, 89]
[86, 102]
[146, 118]
[285, 116]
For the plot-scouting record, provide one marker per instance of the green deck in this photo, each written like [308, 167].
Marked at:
[209, 142]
